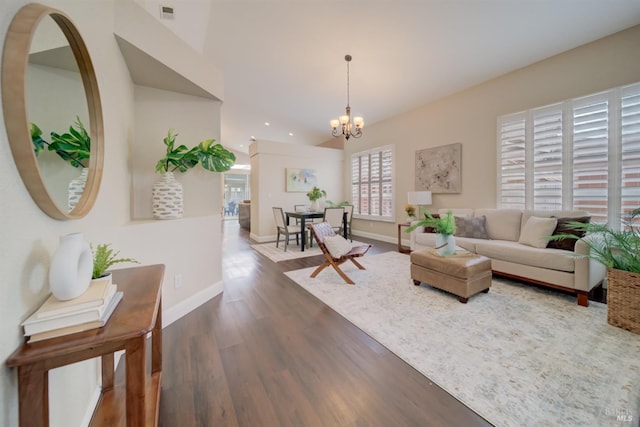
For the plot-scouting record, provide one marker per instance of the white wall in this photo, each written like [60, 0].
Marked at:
[190, 246]
[269, 160]
[469, 117]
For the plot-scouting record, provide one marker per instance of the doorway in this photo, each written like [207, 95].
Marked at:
[236, 189]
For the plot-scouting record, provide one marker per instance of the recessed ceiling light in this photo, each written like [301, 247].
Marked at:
[290, 133]
[252, 138]
[267, 123]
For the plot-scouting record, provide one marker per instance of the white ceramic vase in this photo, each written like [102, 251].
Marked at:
[167, 197]
[76, 188]
[71, 267]
[446, 244]
[315, 206]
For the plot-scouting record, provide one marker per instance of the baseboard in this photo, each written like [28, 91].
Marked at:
[188, 305]
[374, 236]
[262, 239]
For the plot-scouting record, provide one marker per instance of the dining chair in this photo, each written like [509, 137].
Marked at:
[334, 215]
[281, 225]
[349, 210]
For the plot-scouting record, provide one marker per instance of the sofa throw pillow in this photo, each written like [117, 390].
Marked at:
[563, 228]
[337, 245]
[430, 229]
[537, 230]
[471, 227]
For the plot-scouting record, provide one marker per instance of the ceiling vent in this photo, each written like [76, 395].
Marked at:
[166, 12]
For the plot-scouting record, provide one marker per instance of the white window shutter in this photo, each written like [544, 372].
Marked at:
[630, 148]
[511, 191]
[591, 156]
[547, 158]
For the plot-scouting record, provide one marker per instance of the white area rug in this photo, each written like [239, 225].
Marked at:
[518, 355]
[278, 254]
[293, 251]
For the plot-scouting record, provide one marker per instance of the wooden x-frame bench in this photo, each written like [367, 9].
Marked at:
[322, 230]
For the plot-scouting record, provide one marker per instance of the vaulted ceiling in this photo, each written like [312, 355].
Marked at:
[283, 60]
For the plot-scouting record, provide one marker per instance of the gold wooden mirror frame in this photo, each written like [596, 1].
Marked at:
[15, 60]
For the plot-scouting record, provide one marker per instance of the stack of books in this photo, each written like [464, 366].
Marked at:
[90, 310]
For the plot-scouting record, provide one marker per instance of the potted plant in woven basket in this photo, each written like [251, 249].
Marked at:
[619, 251]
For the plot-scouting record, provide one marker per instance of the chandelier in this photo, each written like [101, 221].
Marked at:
[348, 129]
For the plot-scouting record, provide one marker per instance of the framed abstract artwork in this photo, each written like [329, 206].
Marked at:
[300, 180]
[438, 169]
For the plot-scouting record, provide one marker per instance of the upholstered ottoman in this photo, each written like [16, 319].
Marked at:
[463, 274]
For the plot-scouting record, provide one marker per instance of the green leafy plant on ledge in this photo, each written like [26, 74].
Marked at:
[442, 225]
[616, 249]
[73, 146]
[212, 157]
[105, 257]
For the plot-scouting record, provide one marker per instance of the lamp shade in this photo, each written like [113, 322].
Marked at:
[419, 197]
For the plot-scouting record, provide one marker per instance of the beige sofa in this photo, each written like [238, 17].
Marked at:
[556, 268]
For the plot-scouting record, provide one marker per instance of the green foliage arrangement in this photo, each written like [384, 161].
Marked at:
[212, 157]
[443, 225]
[315, 194]
[36, 138]
[104, 257]
[178, 158]
[333, 204]
[73, 146]
[617, 249]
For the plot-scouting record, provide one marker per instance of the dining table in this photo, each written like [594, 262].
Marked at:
[304, 216]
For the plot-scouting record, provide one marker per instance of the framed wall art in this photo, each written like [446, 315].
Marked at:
[438, 169]
[300, 180]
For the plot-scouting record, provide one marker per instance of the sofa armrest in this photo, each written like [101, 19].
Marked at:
[588, 273]
[418, 229]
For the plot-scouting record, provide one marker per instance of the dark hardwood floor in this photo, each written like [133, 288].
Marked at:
[267, 353]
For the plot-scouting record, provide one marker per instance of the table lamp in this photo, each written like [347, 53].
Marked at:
[419, 198]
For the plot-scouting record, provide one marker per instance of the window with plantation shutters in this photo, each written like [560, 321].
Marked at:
[372, 183]
[630, 149]
[581, 154]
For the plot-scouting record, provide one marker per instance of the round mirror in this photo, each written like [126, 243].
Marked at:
[52, 111]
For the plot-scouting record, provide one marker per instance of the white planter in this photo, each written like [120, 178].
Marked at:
[315, 206]
[76, 188]
[71, 267]
[446, 244]
[167, 197]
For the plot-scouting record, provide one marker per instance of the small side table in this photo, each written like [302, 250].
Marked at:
[402, 249]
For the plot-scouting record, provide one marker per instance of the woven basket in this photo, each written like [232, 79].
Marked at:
[623, 299]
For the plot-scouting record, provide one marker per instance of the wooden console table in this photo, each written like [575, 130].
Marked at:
[139, 313]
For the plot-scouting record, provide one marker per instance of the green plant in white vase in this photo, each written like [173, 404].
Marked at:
[444, 227]
[314, 195]
[167, 193]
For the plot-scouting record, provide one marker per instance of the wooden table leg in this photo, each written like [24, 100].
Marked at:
[107, 371]
[136, 367]
[33, 390]
[156, 342]
[303, 234]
